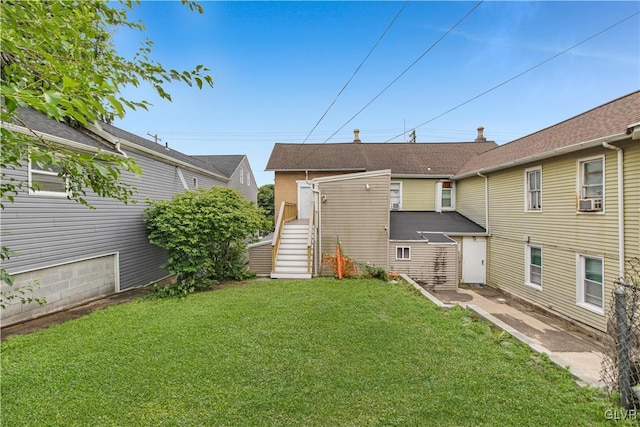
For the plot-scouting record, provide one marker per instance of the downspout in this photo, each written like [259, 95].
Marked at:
[318, 238]
[621, 255]
[486, 201]
[119, 150]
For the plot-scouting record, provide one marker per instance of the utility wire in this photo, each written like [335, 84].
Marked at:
[521, 74]
[356, 71]
[408, 68]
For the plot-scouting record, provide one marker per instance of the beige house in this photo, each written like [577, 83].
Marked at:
[550, 218]
[562, 209]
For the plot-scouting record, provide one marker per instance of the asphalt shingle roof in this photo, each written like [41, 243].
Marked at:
[609, 119]
[442, 159]
[227, 164]
[404, 225]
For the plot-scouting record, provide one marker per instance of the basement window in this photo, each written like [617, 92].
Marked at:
[403, 253]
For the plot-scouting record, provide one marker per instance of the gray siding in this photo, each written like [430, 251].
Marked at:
[434, 265]
[358, 217]
[247, 187]
[48, 230]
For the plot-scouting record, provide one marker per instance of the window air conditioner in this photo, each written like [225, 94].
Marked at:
[395, 206]
[589, 205]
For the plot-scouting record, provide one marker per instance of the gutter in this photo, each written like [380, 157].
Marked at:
[548, 154]
[52, 138]
[621, 254]
[486, 202]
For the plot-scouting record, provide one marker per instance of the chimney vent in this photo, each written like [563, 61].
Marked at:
[480, 137]
[356, 136]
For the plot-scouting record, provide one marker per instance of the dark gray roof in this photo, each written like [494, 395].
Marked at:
[159, 148]
[227, 164]
[405, 225]
[41, 123]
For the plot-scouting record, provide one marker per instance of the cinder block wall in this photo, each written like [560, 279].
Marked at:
[62, 286]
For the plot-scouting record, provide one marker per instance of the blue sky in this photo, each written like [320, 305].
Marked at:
[277, 66]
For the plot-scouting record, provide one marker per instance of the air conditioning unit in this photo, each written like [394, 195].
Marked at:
[395, 206]
[590, 205]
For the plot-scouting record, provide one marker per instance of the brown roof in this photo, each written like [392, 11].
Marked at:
[612, 118]
[442, 159]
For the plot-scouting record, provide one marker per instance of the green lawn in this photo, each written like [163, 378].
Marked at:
[310, 353]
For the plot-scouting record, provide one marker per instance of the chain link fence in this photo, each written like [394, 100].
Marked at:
[621, 356]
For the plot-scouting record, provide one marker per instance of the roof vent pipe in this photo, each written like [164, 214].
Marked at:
[480, 137]
[356, 136]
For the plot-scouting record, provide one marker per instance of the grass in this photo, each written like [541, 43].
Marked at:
[275, 353]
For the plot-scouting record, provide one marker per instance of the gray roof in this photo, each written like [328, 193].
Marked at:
[41, 123]
[439, 159]
[159, 148]
[227, 164]
[405, 225]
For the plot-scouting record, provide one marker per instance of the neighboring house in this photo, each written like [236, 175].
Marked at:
[550, 218]
[73, 253]
[238, 170]
[562, 210]
[417, 178]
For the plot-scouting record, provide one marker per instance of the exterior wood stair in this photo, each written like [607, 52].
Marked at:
[291, 262]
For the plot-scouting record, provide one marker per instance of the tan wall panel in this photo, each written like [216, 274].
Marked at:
[433, 265]
[632, 199]
[260, 259]
[358, 217]
[418, 194]
[470, 199]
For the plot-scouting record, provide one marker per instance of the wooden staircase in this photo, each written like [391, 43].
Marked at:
[291, 261]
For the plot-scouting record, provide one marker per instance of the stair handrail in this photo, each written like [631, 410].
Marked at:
[287, 212]
[310, 238]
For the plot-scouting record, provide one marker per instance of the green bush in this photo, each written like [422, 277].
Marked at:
[205, 233]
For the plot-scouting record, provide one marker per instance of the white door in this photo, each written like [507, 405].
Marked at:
[474, 254]
[305, 200]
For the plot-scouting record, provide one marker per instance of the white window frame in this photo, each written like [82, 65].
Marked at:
[241, 176]
[439, 190]
[405, 250]
[580, 182]
[34, 170]
[399, 183]
[248, 179]
[581, 286]
[528, 266]
[195, 182]
[528, 192]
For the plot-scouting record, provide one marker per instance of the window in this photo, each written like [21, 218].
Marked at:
[241, 176]
[590, 276]
[396, 196]
[248, 179]
[533, 189]
[403, 253]
[445, 196]
[45, 180]
[195, 182]
[533, 266]
[592, 178]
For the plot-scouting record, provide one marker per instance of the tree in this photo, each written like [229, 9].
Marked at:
[205, 234]
[266, 202]
[58, 58]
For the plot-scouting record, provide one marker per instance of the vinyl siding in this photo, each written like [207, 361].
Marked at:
[286, 187]
[358, 217]
[260, 258]
[418, 194]
[470, 199]
[248, 189]
[557, 229]
[632, 199]
[433, 265]
[46, 230]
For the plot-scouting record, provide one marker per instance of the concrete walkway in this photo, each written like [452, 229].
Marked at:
[568, 348]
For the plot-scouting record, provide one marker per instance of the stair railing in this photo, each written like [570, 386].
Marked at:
[287, 212]
[310, 239]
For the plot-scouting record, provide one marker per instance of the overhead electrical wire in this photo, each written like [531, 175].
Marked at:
[519, 75]
[408, 68]
[356, 71]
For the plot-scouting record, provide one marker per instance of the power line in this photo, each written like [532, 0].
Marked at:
[356, 71]
[521, 74]
[408, 68]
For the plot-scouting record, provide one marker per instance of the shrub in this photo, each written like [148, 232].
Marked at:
[205, 233]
